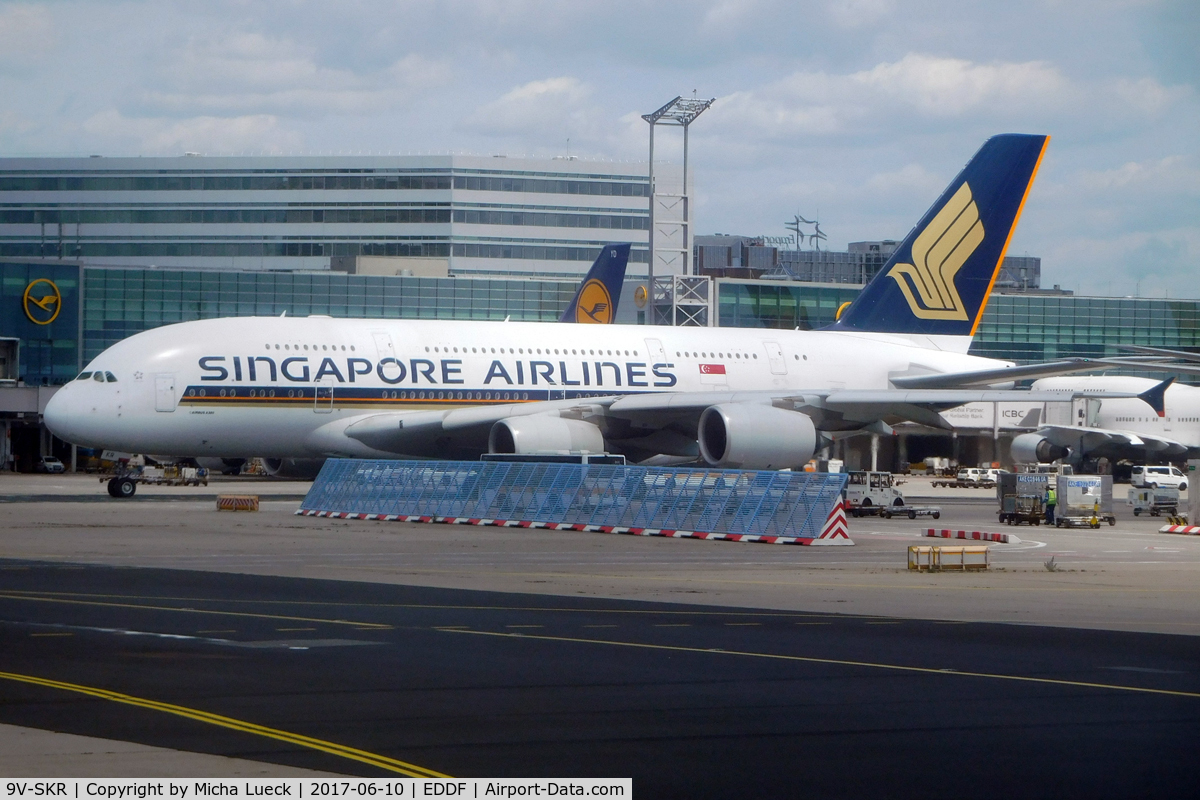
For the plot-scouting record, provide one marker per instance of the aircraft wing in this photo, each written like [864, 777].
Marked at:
[1045, 369]
[1092, 440]
[666, 422]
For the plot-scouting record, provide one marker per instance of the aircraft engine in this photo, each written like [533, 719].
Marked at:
[744, 436]
[542, 433]
[293, 467]
[226, 466]
[1030, 448]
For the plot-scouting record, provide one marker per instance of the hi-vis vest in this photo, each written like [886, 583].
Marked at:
[1051, 497]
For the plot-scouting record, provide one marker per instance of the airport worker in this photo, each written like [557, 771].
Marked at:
[1051, 502]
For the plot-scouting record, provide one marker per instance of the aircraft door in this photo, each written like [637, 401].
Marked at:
[383, 344]
[1086, 411]
[323, 396]
[775, 357]
[655, 351]
[164, 392]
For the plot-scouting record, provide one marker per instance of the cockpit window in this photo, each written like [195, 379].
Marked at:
[111, 378]
[99, 376]
[83, 376]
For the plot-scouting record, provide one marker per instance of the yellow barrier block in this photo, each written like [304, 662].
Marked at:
[936, 558]
[920, 556]
[237, 502]
[962, 558]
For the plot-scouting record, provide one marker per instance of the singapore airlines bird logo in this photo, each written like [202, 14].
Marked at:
[595, 304]
[938, 253]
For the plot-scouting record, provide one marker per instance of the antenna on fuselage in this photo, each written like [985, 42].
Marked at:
[284, 314]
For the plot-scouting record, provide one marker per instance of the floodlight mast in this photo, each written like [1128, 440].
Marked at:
[681, 112]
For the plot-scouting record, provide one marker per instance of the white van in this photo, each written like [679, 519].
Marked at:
[1159, 476]
[972, 476]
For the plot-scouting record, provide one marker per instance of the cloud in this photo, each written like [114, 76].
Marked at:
[858, 13]
[254, 133]
[26, 32]
[953, 86]
[250, 72]
[541, 108]
[1171, 174]
[1146, 96]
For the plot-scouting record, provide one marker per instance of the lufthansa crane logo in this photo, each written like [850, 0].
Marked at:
[938, 253]
[42, 301]
[595, 304]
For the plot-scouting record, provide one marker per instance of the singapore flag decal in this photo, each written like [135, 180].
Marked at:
[713, 374]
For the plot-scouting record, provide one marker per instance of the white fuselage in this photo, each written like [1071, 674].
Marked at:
[1180, 422]
[287, 387]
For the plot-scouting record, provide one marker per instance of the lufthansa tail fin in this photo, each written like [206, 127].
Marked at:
[937, 282]
[596, 300]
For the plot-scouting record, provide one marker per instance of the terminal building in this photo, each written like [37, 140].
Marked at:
[94, 250]
[478, 215]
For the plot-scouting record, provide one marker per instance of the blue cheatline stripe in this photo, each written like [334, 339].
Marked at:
[756, 503]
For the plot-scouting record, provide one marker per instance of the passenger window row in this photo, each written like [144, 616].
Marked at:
[531, 351]
[314, 347]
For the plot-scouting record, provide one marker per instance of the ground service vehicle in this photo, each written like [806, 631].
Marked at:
[867, 492]
[1155, 476]
[1156, 501]
[49, 464]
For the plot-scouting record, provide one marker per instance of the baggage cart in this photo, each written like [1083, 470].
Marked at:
[1021, 497]
[912, 512]
[1155, 502]
[1084, 501]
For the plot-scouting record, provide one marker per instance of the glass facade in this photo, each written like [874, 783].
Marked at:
[770, 304]
[295, 213]
[117, 303]
[121, 302]
[40, 305]
[1035, 328]
[1015, 327]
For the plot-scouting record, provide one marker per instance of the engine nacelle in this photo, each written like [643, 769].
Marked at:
[293, 467]
[745, 436]
[226, 466]
[542, 433]
[1030, 448]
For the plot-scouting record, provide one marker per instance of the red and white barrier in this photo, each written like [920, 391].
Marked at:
[1187, 530]
[835, 531]
[978, 536]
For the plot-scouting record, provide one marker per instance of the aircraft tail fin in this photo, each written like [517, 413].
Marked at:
[1156, 396]
[937, 282]
[598, 295]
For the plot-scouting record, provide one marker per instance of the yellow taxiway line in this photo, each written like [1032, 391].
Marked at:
[838, 662]
[332, 748]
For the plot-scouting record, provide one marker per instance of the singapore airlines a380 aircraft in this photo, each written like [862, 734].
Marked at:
[316, 387]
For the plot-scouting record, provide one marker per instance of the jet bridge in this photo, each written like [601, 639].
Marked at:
[738, 505]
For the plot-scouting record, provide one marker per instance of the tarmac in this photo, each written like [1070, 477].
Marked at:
[1127, 578]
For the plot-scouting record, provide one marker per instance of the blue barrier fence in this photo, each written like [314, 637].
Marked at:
[757, 503]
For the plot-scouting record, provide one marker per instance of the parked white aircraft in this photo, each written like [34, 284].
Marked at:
[1116, 428]
[310, 388]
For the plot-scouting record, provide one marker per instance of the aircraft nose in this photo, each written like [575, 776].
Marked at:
[59, 415]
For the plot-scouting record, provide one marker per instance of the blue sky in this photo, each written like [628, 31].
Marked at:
[855, 111]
